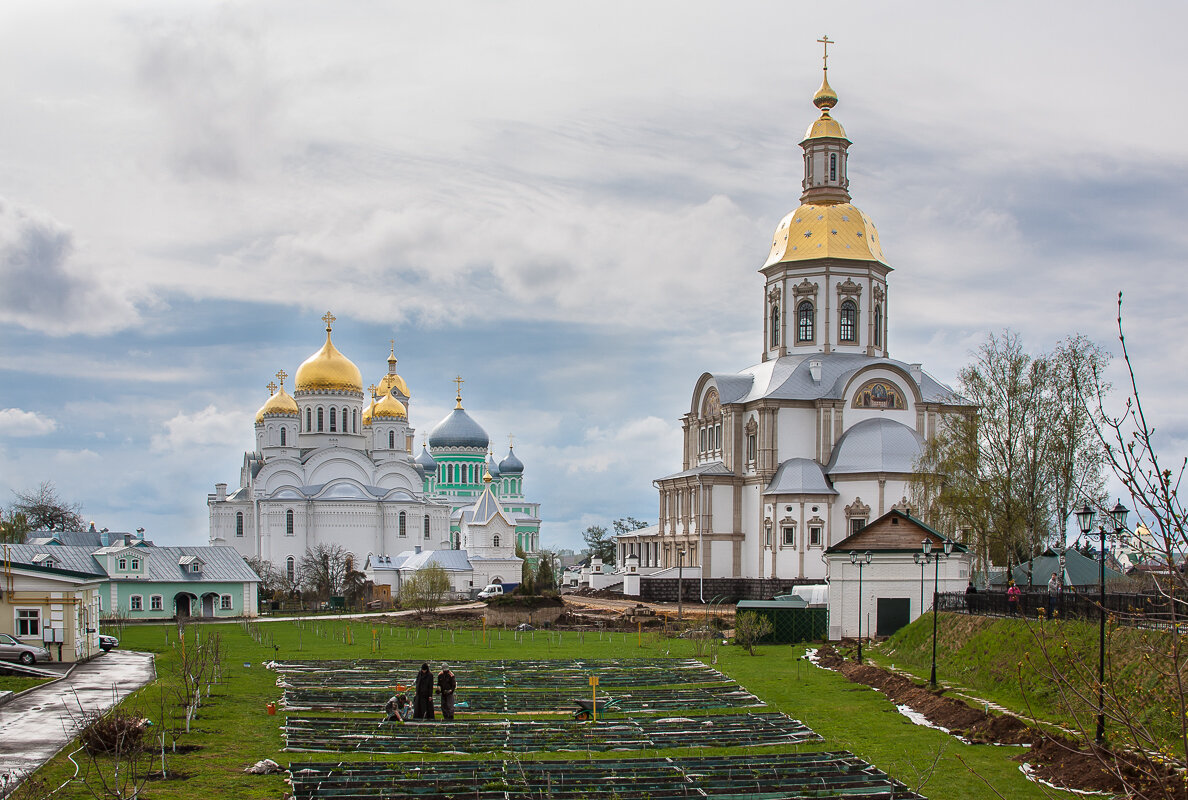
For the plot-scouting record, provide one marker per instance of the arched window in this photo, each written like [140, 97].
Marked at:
[426, 526]
[345, 416]
[284, 440]
[848, 321]
[308, 420]
[289, 522]
[391, 440]
[290, 568]
[239, 523]
[833, 166]
[775, 325]
[319, 419]
[495, 540]
[470, 473]
[355, 421]
[333, 414]
[403, 524]
[449, 473]
[805, 322]
[878, 326]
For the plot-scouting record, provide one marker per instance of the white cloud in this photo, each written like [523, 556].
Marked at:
[206, 428]
[16, 422]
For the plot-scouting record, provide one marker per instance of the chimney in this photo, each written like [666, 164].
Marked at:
[917, 371]
[220, 491]
[416, 548]
[815, 370]
[127, 539]
[92, 527]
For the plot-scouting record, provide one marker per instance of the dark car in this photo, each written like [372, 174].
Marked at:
[108, 642]
[13, 650]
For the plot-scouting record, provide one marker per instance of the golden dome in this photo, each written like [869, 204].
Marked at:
[367, 412]
[820, 231]
[825, 98]
[392, 380]
[825, 128]
[388, 408]
[281, 403]
[329, 369]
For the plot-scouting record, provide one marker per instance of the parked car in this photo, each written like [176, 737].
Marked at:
[492, 590]
[14, 650]
[108, 642]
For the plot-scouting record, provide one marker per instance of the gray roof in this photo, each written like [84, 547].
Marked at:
[220, 562]
[449, 560]
[458, 430]
[788, 378]
[511, 465]
[1079, 569]
[799, 476]
[876, 445]
[712, 468]
[426, 461]
[486, 509]
[492, 467]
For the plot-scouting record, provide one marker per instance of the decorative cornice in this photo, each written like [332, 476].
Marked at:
[805, 288]
[774, 295]
[879, 292]
[903, 506]
[848, 287]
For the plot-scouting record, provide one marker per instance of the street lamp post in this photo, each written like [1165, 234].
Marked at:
[926, 546]
[680, 584]
[921, 559]
[861, 561]
[1085, 521]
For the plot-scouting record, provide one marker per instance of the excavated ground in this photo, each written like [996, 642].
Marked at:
[1055, 759]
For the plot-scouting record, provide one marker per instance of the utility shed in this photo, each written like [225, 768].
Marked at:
[792, 620]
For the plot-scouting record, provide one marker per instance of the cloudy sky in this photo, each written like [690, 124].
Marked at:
[565, 203]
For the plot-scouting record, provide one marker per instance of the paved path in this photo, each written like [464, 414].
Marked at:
[39, 723]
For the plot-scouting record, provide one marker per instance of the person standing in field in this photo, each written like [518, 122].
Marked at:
[423, 694]
[447, 684]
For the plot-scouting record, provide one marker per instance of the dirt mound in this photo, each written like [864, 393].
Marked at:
[1057, 760]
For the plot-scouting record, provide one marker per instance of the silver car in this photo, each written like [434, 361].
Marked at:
[13, 650]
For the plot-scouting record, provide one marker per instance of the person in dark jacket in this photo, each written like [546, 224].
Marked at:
[423, 697]
[447, 684]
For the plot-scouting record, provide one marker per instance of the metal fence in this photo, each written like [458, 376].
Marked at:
[1137, 610]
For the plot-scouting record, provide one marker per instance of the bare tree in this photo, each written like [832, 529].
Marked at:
[44, 510]
[324, 569]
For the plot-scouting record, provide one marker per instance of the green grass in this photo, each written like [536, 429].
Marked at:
[12, 683]
[233, 729]
[1003, 660]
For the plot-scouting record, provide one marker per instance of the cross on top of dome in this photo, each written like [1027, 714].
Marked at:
[328, 318]
[280, 376]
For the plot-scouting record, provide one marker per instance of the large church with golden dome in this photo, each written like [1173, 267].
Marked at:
[333, 464]
[792, 455]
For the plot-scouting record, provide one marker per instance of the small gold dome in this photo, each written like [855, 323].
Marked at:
[280, 404]
[329, 369]
[826, 231]
[392, 380]
[826, 127]
[825, 98]
[367, 412]
[388, 408]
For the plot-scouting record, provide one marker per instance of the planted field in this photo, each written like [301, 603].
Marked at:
[353, 735]
[800, 775]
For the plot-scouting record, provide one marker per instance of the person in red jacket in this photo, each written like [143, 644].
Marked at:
[1013, 598]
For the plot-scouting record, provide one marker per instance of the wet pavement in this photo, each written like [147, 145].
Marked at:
[39, 723]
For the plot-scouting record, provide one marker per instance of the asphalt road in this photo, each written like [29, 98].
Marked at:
[39, 723]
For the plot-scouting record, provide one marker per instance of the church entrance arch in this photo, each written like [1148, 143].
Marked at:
[208, 604]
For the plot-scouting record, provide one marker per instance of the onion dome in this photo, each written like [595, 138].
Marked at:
[279, 404]
[388, 407]
[426, 461]
[392, 380]
[367, 412]
[458, 430]
[511, 465]
[492, 467]
[329, 369]
[825, 231]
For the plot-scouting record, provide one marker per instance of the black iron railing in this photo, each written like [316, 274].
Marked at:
[1137, 610]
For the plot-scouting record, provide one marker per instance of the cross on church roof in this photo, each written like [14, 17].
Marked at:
[826, 41]
[280, 376]
[328, 318]
[458, 380]
[511, 441]
[271, 387]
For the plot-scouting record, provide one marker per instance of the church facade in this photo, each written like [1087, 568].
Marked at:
[795, 453]
[334, 463]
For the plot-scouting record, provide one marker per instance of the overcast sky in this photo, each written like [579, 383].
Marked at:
[565, 203]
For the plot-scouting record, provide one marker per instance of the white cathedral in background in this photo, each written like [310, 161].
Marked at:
[335, 465]
[792, 455]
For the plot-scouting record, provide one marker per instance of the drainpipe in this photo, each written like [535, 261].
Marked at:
[701, 544]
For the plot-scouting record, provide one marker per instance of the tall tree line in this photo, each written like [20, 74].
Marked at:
[1006, 475]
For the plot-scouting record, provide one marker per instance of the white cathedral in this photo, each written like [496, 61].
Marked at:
[792, 455]
[335, 465]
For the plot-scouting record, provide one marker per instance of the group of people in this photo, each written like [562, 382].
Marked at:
[398, 709]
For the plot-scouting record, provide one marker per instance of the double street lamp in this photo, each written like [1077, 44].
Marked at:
[861, 560]
[926, 556]
[1085, 519]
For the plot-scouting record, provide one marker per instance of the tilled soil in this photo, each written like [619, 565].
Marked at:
[1054, 759]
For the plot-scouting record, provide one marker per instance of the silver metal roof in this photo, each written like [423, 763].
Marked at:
[799, 476]
[458, 430]
[426, 461]
[712, 468]
[876, 445]
[220, 562]
[511, 465]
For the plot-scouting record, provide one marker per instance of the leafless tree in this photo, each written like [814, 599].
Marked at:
[324, 569]
[44, 510]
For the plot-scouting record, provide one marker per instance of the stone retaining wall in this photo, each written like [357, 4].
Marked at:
[664, 590]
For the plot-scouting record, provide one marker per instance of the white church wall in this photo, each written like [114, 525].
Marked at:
[322, 468]
[892, 575]
[795, 432]
[722, 518]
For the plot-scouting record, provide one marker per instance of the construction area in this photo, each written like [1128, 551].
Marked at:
[678, 708]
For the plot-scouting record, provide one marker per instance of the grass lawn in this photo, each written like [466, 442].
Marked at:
[13, 683]
[233, 730]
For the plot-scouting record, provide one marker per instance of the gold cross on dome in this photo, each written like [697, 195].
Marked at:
[271, 387]
[328, 318]
[280, 376]
[511, 441]
[372, 389]
[393, 343]
[826, 41]
[458, 380]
